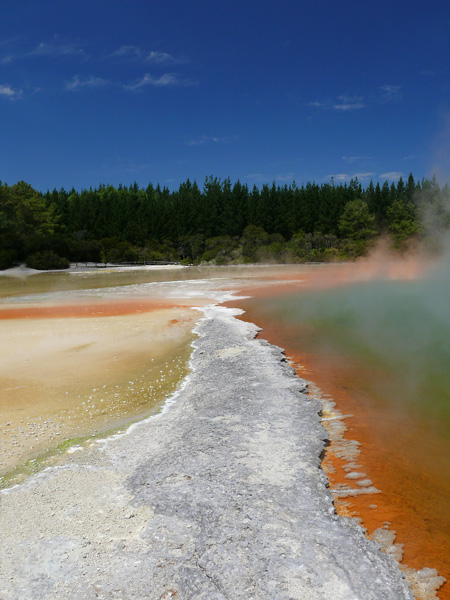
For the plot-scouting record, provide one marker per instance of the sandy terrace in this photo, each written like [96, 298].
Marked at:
[65, 377]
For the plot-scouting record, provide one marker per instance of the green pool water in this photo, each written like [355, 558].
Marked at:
[386, 344]
[400, 328]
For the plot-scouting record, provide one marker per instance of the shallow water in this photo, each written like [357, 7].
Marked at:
[381, 350]
[63, 378]
[85, 352]
[89, 279]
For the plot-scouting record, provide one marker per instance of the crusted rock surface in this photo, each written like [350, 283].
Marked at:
[219, 497]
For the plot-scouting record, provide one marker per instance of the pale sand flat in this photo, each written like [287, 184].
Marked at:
[62, 378]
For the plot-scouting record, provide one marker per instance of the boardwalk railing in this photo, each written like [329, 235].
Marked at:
[132, 263]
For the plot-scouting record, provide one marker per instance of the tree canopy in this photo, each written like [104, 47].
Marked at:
[221, 222]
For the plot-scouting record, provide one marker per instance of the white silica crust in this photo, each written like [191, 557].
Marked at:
[219, 497]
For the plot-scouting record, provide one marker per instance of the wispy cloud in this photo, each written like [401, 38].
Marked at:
[391, 93]
[159, 58]
[7, 49]
[349, 106]
[168, 79]
[391, 175]
[7, 91]
[126, 52]
[77, 83]
[352, 159]
[285, 177]
[93, 81]
[342, 103]
[256, 176]
[15, 51]
[155, 57]
[442, 71]
[264, 178]
[205, 139]
[345, 103]
[137, 167]
[339, 176]
[428, 72]
[317, 104]
[348, 176]
[362, 176]
[56, 50]
[11, 51]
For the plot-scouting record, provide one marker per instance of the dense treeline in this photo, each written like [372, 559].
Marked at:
[223, 222]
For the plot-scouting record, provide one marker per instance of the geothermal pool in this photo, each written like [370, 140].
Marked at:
[380, 350]
[89, 352]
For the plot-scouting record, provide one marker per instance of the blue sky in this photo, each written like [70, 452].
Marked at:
[107, 91]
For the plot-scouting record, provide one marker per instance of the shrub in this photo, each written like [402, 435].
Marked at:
[46, 260]
[7, 259]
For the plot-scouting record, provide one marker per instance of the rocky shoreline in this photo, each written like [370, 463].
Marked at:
[220, 496]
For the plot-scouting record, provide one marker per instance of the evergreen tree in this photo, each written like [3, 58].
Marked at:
[356, 222]
[402, 222]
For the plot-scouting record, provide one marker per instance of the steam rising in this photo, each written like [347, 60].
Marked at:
[392, 313]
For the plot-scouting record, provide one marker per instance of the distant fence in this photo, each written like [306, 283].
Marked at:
[133, 263]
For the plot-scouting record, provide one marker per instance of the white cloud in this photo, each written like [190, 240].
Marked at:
[342, 103]
[345, 102]
[316, 104]
[44, 49]
[339, 176]
[286, 177]
[127, 51]
[362, 176]
[93, 82]
[347, 176]
[167, 79]
[352, 159]
[390, 93]
[134, 52]
[346, 99]
[349, 106]
[204, 139]
[137, 167]
[160, 57]
[9, 92]
[197, 141]
[257, 177]
[391, 175]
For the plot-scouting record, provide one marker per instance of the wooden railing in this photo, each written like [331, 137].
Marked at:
[131, 263]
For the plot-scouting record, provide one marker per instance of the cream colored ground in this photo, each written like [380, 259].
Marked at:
[64, 378]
